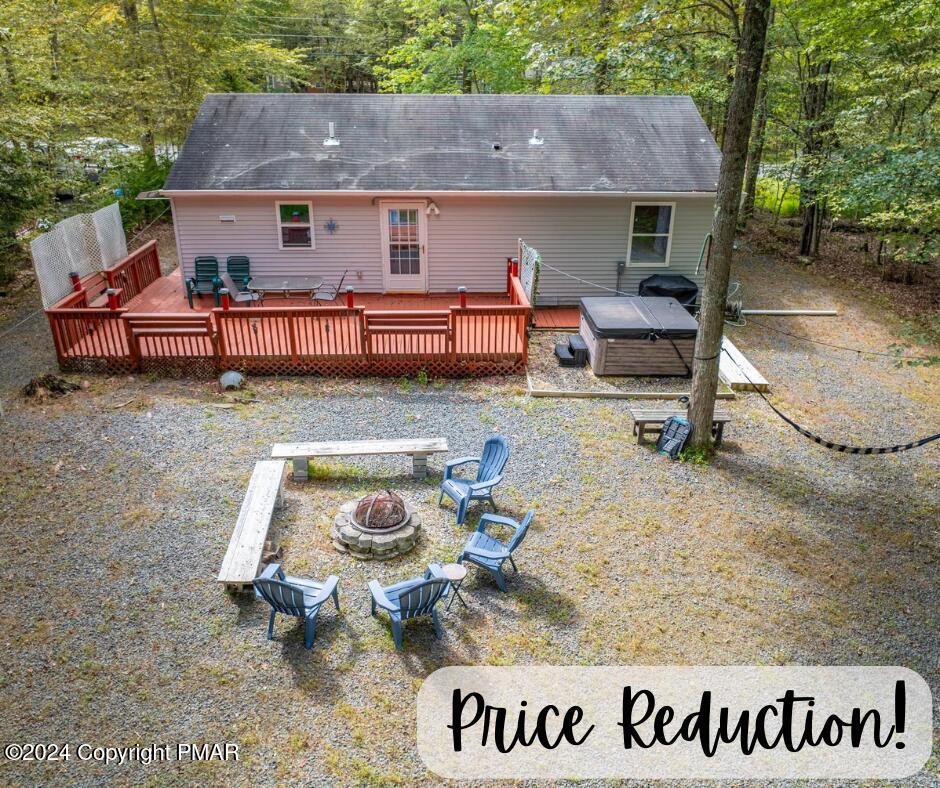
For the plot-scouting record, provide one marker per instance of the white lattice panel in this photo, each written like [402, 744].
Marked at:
[109, 231]
[529, 263]
[83, 243]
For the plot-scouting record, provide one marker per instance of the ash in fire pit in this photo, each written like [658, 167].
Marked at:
[380, 525]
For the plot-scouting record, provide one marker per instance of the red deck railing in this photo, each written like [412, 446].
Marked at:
[132, 274]
[459, 340]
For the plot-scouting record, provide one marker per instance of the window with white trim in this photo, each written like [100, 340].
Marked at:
[650, 238]
[295, 225]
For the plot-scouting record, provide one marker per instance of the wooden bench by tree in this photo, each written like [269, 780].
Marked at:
[418, 450]
[645, 421]
[243, 557]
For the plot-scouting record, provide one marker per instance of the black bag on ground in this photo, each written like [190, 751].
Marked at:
[676, 432]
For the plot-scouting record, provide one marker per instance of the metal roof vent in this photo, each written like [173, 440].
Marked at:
[535, 139]
[332, 139]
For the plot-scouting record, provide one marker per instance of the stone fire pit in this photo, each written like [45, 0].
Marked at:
[380, 525]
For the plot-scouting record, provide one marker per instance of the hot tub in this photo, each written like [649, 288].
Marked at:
[638, 336]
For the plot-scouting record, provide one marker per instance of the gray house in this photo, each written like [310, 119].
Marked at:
[415, 193]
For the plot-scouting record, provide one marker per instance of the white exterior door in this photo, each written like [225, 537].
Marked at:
[404, 246]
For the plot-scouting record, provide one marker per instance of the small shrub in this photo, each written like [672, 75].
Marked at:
[768, 196]
[696, 456]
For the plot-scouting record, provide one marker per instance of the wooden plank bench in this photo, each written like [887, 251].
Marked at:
[243, 557]
[418, 450]
[645, 421]
[735, 370]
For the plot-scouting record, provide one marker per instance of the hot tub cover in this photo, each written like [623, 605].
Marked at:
[637, 317]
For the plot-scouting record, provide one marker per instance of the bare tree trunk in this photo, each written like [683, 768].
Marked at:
[54, 42]
[756, 152]
[818, 226]
[815, 99]
[734, 153]
[602, 63]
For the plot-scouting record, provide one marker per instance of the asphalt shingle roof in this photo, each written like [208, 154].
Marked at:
[422, 143]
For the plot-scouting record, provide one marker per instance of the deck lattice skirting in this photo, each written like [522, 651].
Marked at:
[336, 341]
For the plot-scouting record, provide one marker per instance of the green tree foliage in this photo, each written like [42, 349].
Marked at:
[455, 46]
[139, 173]
[134, 70]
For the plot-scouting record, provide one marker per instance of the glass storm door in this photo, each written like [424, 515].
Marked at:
[404, 246]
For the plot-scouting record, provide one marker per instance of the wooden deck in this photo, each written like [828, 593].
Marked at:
[557, 318]
[168, 294]
[154, 328]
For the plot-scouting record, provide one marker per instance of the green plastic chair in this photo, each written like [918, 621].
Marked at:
[238, 266]
[206, 279]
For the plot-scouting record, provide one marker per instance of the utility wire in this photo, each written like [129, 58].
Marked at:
[11, 330]
[543, 264]
[860, 351]
[840, 447]
[149, 225]
[736, 287]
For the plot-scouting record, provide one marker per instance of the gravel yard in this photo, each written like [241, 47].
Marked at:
[120, 498]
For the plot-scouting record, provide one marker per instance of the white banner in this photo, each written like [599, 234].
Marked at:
[675, 722]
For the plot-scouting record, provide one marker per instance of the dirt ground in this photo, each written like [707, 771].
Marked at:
[843, 258]
[120, 498]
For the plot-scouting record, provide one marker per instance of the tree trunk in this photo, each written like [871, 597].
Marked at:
[54, 42]
[815, 99]
[602, 62]
[756, 152]
[808, 230]
[132, 20]
[818, 226]
[734, 153]
[161, 43]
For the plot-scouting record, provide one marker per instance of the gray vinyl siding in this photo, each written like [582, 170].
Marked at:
[354, 245]
[468, 242]
[582, 235]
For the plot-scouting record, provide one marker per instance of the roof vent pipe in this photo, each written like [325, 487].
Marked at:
[535, 139]
[331, 140]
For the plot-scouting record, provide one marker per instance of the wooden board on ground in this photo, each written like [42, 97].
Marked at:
[664, 395]
[418, 450]
[243, 557]
[737, 372]
[651, 420]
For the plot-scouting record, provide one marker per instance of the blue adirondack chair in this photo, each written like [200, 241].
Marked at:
[411, 599]
[488, 552]
[295, 596]
[205, 279]
[489, 473]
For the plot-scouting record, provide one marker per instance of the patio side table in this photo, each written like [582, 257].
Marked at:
[455, 573]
